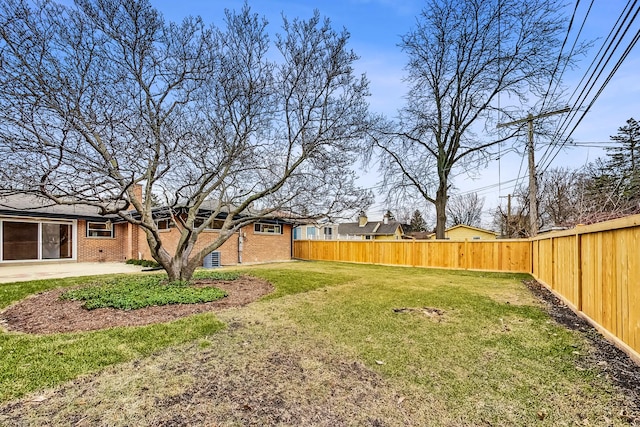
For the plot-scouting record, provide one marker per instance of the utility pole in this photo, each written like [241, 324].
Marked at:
[507, 229]
[533, 190]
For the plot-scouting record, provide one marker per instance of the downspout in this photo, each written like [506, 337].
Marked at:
[240, 244]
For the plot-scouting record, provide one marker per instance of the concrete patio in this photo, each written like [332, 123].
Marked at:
[24, 272]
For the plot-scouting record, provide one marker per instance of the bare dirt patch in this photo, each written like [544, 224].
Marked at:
[610, 360]
[434, 314]
[46, 313]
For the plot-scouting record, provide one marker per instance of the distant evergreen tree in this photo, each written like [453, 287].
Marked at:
[626, 156]
[417, 222]
[612, 184]
[390, 215]
[624, 160]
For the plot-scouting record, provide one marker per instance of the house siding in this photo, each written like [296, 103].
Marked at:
[304, 232]
[266, 247]
[257, 247]
[461, 233]
[397, 235]
[102, 249]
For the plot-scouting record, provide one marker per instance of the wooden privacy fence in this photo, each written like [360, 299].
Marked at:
[492, 255]
[594, 269]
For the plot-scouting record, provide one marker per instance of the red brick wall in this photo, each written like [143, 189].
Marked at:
[266, 247]
[256, 247]
[102, 249]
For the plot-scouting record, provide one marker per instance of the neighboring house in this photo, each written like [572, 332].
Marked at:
[420, 235]
[364, 229]
[315, 232]
[34, 230]
[462, 232]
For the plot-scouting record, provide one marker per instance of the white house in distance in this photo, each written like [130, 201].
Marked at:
[314, 231]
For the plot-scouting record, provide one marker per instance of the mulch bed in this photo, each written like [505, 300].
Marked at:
[613, 362]
[46, 313]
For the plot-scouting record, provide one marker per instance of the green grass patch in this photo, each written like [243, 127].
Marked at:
[296, 278]
[134, 292]
[32, 362]
[490, 355]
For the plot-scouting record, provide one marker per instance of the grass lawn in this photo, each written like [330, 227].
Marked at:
[335, 344]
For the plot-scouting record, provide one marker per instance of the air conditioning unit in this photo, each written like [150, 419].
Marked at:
[212, 260]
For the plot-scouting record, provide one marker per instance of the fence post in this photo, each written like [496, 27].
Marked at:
[413, 253]
[553, 283]
[578, 268]
[465, 254]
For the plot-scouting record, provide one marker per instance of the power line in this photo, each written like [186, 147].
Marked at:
[609, 77]
[612, 43]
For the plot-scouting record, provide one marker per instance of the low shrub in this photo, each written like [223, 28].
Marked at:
[142, 262]
[215, 275]
[131, 293]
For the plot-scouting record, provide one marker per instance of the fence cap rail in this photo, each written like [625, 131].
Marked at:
[614, 224]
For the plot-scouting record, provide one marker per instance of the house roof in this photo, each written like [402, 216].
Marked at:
[378, 228]
[421, 235]
[483, 230]
[30, 205]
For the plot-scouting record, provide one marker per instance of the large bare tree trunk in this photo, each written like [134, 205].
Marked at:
[441, 211]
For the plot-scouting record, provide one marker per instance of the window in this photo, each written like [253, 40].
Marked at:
[164, 224]
[100, 229]
[328, 231]
[311, 233]
[267, 228]
[216, 224]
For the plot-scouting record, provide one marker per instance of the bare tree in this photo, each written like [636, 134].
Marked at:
[559, 197]
[463, 56]
[465, 209]
[513, 220]
[104, 95]
[606, 193]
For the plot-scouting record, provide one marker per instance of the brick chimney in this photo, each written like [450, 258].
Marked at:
[362, 219]
[137, 193]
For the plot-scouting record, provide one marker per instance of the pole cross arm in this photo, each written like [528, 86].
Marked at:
[530, 117]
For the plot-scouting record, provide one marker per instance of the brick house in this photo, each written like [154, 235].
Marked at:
[33, 230]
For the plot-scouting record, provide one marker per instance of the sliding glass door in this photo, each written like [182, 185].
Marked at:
[22, 240]
[56, 241]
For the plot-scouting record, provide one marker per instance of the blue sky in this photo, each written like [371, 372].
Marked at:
[376, 26]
